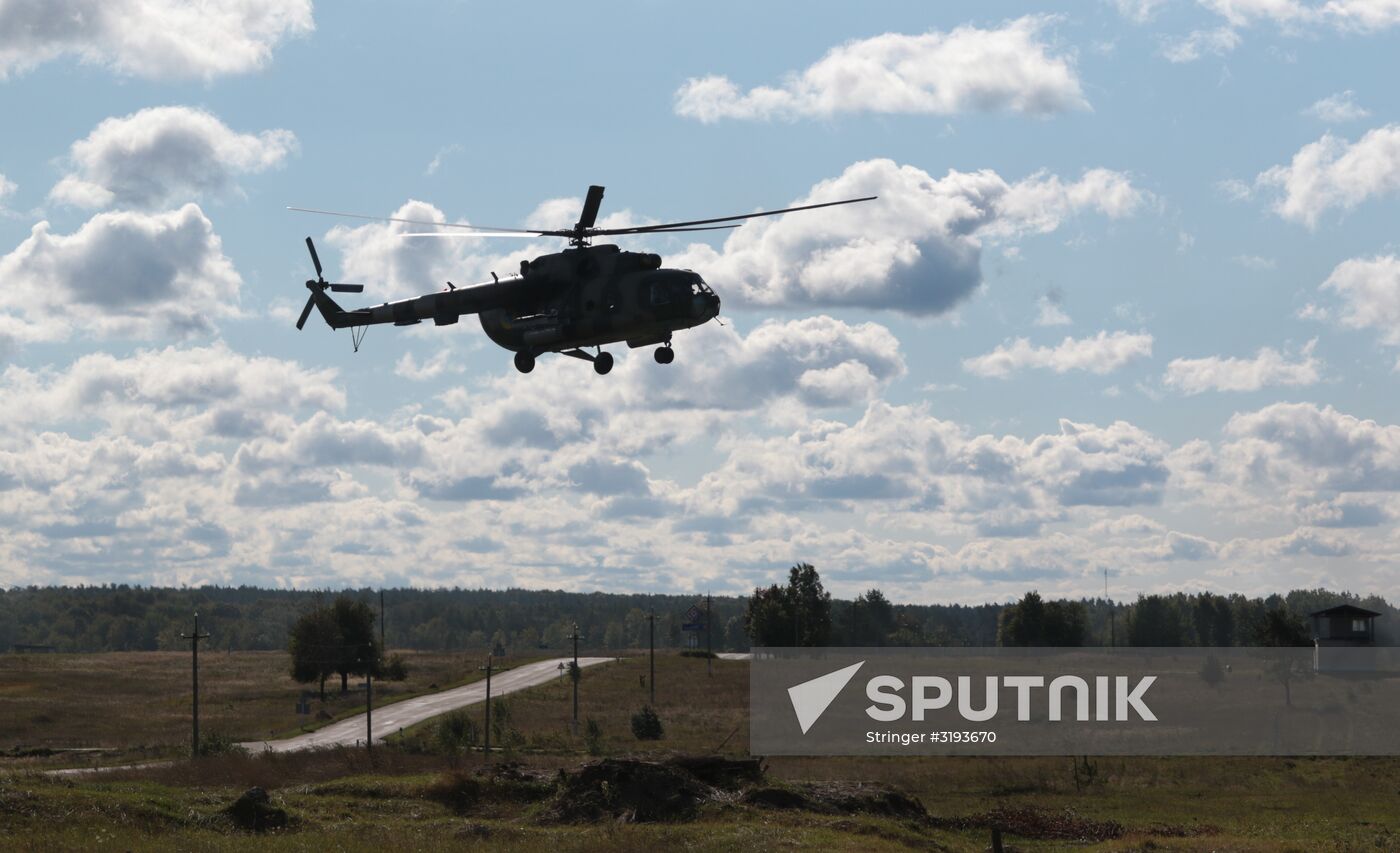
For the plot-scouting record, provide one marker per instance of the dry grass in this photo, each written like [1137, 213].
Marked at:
[346, 799]
[137, 704]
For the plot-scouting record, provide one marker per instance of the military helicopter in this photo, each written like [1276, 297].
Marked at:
[581, 298]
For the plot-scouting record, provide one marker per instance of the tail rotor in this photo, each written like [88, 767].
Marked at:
[320, 285]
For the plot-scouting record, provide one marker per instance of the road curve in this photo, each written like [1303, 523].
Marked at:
[400, 715]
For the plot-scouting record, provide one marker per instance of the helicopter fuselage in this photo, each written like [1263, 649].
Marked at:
[587, 296]
[598, 295]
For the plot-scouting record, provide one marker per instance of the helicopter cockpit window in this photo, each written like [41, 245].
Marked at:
[667, 291]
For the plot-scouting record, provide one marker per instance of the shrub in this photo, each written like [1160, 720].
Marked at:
[593, 737]
[218, 743]
[646, 725]
[395, 668]
[457, 732]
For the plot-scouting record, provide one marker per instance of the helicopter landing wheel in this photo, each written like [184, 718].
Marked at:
[524, 362]
[603, 363]
[664, 355]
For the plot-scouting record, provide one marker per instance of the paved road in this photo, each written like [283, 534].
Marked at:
[400, 715]
[734, 656]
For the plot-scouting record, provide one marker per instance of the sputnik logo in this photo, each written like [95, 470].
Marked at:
[810, 699]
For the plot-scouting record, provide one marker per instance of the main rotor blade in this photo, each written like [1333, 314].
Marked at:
[672, 226]
[316, 261]
[348, 288]
[678, 230]
[465, 234]
[305, 312]
[590, 208]
[432, 224]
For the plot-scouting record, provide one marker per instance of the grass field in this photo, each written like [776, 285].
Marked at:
[136, 705]
[345, 799]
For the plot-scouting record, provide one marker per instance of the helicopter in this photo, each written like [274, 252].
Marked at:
[584, 297]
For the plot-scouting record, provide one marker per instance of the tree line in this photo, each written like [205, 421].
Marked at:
[801, 612]
[796, 611]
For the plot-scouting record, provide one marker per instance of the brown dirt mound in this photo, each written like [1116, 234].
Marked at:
[727, 774]
[627, 790]
[254, 811]
[505, 783]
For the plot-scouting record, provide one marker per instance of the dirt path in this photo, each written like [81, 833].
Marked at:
[400, 715]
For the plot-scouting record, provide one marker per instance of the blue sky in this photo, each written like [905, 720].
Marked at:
[1129, 298]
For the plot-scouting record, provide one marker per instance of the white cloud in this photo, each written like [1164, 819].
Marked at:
[7, 187]
[1267, 368]
[1338, 107]
[437, 364]
[442, 153]
[1008, 68]
[156, 39]
[121, 274]
[1310, 447]
[164, 154]
[1296, 16]
[1103, 353]
[1255, 262]
[193, 393]
[1138, 11]
[1334, 173]
[1199, 43]
[1051, 312]
[1369, 289]
[917, 249]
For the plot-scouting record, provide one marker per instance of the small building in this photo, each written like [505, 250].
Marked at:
[1344, 638]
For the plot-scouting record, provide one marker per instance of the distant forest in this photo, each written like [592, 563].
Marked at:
[133, 618]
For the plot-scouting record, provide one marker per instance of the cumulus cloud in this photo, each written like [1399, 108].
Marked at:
[161, 154]
[7, 187]
[1306, 446]
[917, 249]
[1103, 353]
[436, 365]
[1337, 107]
[186, 392]
[123, 274]
[155, 39]
[1052, 312]
[902, 456]
[1369, 290]
[1215, 42]
[1267, 368]
[1334, 173]
[1007, 68]
[1295, 16]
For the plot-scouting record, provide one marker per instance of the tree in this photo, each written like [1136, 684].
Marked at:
[1155, 621]
[338, 639]
[359, 651]
[798, 614]
[1035, 622]
[312, 638]
[872, 619]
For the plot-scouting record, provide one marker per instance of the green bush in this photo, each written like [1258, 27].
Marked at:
[593, 737]
[457, 732]
[646, 725]
[395, 668]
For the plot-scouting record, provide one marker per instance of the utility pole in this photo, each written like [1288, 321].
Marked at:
[487, 748]
[709, 635]
[382, 648]
[194, 657]
[651, 643]
[576, 674]
[369, 700]
[1112, 622]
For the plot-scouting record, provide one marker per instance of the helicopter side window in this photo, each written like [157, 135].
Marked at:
[665, 292]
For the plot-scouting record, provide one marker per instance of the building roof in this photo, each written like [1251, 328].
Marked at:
[1345, 610]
